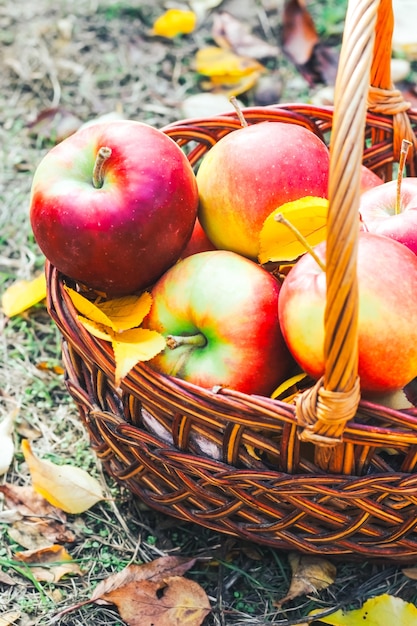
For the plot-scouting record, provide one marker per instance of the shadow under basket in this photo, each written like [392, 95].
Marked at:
[238, 464]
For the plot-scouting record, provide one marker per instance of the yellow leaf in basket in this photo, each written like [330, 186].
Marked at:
[129, 346]
[132, 346]
[287, 385]
[98, 330]
[278, 242]
[383, 609]
[175, 22]
[67, 487]
[23, 294]
[127, 312]
[218, 62]
[119, 314]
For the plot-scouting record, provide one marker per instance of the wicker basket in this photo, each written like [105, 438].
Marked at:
[313, 476]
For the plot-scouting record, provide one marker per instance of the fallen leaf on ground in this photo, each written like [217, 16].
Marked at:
[228, 72]
[173, 601]
[154, 593]
[378, 611]
[67, 487]
[316, 62]
[22, 295]
[55, 124]
[5, 579]
[278, 242]
[299, 35]
[229, 32]
[154, 570]
[8, 618]
[174, 22]
[6, 441]
[309, 575]
[49, 564]
[35, 523]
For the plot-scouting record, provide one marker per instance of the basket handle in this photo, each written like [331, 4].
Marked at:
[323, 410]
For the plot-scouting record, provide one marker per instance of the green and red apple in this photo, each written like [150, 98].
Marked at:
[219, 314]
[387, 320]
[379, 214]
[114, 205]
[252, 171]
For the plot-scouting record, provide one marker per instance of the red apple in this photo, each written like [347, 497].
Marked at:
[252, 171]
[115, 230]
[369, 179]
[377, 209]
[219, 312]
[387, 279]
[199, 242]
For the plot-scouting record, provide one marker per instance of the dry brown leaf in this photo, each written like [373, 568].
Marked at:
[172, 601]
[229, 32]
[67, 487]
[309, 575]
[49, 564]
[55, 124]
[8, 618]
[154, 591]
[5, 579]
[299, 35]
[155, 570]
[36, 523]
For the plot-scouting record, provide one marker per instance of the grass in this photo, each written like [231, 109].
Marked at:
[105, 63]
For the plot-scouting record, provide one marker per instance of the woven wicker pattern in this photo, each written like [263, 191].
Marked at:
[276, 473]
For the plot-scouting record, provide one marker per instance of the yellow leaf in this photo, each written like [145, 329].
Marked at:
[135, 345]
[378, 611]
[127, 312]
[49, 564]
[175, 22]
[119, 314]
[308, 215]
[97, 330]
[288, 384]
[213, 61]
[23, 294]
[69, 488]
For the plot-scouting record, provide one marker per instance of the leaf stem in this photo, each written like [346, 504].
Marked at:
[103, 154]
[279, 217]
[405, 145]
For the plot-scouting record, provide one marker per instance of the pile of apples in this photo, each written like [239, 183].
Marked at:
[118, 208]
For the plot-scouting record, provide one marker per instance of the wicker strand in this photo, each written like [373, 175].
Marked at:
[332, 409]
[341, 313]
[383, 98]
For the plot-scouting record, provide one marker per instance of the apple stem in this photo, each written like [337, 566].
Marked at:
[103, 154]
[405, 146]
[283, 220]
[196, 341]
[238, 110]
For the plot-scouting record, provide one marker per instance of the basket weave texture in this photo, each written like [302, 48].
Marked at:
[330, 474]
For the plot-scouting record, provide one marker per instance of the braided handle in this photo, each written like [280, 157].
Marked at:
[322, 412]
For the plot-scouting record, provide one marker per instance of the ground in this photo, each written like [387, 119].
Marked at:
[87, 59]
